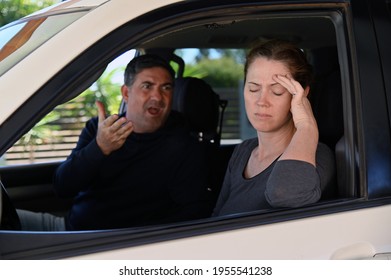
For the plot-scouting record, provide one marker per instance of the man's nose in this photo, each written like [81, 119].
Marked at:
[156, 93]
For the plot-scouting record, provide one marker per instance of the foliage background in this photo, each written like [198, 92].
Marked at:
[11, 10]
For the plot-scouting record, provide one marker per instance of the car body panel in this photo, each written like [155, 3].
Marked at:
[348, 235]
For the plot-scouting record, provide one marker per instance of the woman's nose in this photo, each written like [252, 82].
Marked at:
[262, 99]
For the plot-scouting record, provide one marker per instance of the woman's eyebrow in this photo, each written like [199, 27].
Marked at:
[277, 85]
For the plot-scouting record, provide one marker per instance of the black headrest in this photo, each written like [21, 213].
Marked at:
[199, 103]
[324, 60]
[326, 95]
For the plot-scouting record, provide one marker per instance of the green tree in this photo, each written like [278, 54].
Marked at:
[218, 67]
[104, 90]
[41, 134]
[237, 55]
[220, 72]
[11, 10]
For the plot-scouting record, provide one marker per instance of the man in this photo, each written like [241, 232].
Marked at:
[139, 168]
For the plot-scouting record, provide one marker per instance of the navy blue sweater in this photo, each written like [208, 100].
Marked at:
[153, 178]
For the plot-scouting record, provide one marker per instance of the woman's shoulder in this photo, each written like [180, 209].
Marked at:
[245, 147]
[248, 144]
[324, 149]
[252, 142]
[324, 155]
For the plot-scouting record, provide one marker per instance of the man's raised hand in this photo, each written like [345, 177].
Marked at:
[112, 130]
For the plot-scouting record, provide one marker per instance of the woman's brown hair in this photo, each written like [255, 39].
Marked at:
[285, 52]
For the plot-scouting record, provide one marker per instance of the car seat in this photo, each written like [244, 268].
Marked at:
[326, 101]
[201, 107]
[326, 95]
[203, 110]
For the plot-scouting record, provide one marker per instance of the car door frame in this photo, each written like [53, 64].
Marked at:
[22, 245]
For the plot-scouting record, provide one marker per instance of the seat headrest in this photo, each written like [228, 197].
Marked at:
[199, 103]
[326, 95]
[324, 60]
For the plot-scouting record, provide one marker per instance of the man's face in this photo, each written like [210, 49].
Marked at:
[149, 99]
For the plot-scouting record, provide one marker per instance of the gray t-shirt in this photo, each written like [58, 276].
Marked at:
[284, 183]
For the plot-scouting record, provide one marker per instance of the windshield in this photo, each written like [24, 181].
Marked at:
[19, 39]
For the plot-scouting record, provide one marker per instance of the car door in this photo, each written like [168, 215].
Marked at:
[352, 225]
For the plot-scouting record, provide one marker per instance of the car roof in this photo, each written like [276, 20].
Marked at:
[66, 7]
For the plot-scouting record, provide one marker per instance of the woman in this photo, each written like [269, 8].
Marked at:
[284, 166]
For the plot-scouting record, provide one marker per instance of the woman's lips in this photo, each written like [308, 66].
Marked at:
[262, 116]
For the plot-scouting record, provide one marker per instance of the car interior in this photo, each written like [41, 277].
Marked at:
[29, 186]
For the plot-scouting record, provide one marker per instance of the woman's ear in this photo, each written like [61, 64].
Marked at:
[306, 91]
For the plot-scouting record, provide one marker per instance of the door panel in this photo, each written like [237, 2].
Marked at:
[30, 187]
[358, 234]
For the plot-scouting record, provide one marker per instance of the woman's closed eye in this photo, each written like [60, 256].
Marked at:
[278, 89]
[254, 87]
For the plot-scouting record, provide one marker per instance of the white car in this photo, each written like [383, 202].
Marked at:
[52, 56]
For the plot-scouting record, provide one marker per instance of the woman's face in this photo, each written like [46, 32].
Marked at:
[267, 103]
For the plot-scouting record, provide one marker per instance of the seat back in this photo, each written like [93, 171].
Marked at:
[201, 107]
[326, 95]
[326, 101]
[203, 110]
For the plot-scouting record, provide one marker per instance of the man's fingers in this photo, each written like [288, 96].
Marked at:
[126, 129]
[112, 131]
[101, 111]
[102, 117]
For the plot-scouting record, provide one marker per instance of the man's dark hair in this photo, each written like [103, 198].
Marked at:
[139, 63]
